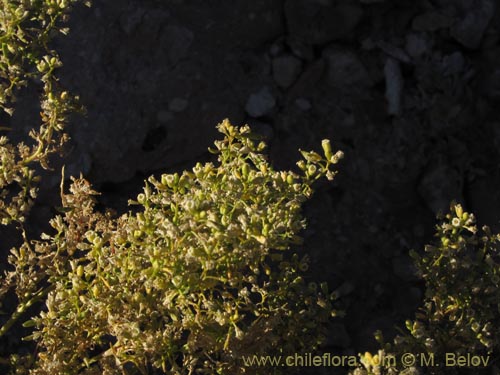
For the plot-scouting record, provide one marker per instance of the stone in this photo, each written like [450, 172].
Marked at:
[416, 44]
[394, 51]
[286, 69]
[345, 69]
[260, 103]
[393, 86]
[470, 29]
[453, 63]
[345, 288]
[300, 48]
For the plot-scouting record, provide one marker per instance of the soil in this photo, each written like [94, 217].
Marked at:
[408, 90]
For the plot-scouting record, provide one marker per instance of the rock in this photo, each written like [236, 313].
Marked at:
[344, 289]
[177, 105]
[431, 21]
[394, 51]
[393, 86]
[260, 103]
[345, 69]
[321, 22]
[453, 64]
[286, 69]
[312, 76]
[300, 48]
[303, 104]
[404, 268]
[470, 29]
[416, 44]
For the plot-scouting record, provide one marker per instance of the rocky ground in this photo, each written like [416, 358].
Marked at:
[409, 90]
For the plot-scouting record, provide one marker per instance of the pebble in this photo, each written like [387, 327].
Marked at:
[300, 48]
[453, 63]
[416, 44]
[345, 288]
[394, 51]
[260, 103]
[470, 29]
[345, 69]
[286, 69]
[393, 85]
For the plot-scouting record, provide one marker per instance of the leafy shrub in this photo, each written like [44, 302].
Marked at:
[26, 30]
[461, 310]
[199, 277]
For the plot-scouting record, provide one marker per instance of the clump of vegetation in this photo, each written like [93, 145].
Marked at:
[461, 309]
[26, 30]
[202, 275]
[199, 277]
